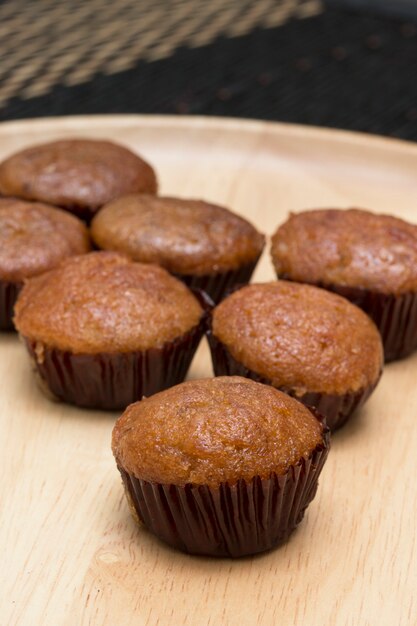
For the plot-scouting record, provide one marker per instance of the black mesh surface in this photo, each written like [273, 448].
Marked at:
[325, 67]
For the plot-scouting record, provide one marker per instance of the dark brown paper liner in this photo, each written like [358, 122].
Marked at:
[336, 408]
[219, 285]
[113, 381]
[83, 213]
[395, 316]
[231, 520]
[8, 296]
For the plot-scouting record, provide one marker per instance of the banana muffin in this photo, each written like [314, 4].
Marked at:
[34, 237]
[308, 342]
[79, 175]
[222, 466]
[369, 258]
[103, 331]
[206, 246]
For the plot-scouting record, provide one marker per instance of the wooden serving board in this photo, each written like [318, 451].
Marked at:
[70, 552]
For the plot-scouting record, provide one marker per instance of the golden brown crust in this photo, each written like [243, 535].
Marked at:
[300, 337]
[103, 302]
[35, 237]
[214, 430]
[77, 173]
[348, 247]
[184, 236]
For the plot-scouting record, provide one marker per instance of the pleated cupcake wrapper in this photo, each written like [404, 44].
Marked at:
[395, 316]
[113, 381]
[218, 285]
[8, 296]
[83, 213]
[231, 520]
[335, 408]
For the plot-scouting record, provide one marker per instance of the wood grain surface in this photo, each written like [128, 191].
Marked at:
[70, 552]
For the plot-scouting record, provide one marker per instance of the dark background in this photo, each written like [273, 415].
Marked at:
[294, 60]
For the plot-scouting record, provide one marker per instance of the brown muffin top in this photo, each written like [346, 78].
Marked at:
[214, 430]
[35, 237]
[73, 173]
[103, 302]
[300, 337]
[184, 236]
[348, 247]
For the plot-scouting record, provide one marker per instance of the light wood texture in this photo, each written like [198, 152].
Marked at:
[72, 555]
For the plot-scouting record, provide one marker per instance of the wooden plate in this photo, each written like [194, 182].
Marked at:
[71, 553]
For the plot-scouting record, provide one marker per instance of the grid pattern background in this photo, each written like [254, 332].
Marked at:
[291, 60]
[44, 44]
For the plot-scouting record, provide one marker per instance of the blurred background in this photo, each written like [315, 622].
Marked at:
[342, 63]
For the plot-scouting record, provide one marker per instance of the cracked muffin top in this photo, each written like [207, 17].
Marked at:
[35, 237]
[104, 302]
[184, 236]
[351, 247]
[214, 430]
[79, 175]
[300, 337]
